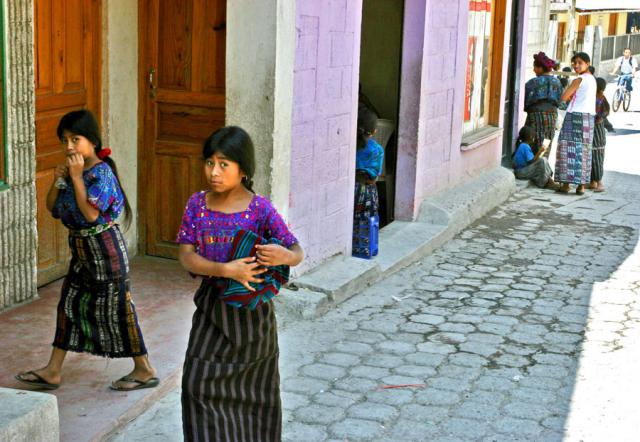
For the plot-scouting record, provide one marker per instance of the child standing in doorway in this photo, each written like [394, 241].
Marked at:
[96, 313]
[369, 158]
[599, 137]
[231, 381]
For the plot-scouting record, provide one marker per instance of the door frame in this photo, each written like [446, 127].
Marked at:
[144, 172]
[512, 114]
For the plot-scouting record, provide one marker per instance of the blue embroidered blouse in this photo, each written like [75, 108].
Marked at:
[542, 93]
[103, 193]
[369, 158]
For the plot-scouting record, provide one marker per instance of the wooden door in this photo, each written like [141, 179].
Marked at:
[613, 24]
[182, 44]
[67, 76]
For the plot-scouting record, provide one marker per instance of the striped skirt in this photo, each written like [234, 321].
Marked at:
[573, 158]
[544, 124]
[96, 313]
[599, 135]
[230, 380]
[597, 164]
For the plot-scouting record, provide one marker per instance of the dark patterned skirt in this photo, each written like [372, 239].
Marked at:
[366, 206]
[573, 158]
[230, 380]
[599, 135]
[544, 124]
[96, 313]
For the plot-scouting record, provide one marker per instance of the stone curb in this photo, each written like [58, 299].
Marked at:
[167, 385]
[441, 217]
[28, 416]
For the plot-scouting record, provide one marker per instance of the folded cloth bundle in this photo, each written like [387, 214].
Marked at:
[237, 295]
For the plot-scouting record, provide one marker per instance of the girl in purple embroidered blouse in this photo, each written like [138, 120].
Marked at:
[228, 344]
[212, 217]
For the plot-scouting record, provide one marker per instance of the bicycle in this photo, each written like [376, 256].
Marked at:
[621, 95]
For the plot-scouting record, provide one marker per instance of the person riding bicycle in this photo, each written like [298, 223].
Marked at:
[628, 66]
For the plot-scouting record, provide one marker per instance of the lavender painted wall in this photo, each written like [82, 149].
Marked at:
[432, 96]
[324, 120]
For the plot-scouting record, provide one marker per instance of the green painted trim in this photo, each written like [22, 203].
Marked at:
[3, 57]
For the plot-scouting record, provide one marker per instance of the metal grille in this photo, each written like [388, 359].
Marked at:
[608, 44]
[622, 41]
[634, 43]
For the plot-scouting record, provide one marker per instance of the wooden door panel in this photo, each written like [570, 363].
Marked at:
[213, 39]
[172, 170]
[183, 48]
[52, 243]
[174, 42]
[187, 123]
[67, 74]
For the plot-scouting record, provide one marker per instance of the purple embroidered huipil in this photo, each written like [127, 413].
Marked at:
[212, 232]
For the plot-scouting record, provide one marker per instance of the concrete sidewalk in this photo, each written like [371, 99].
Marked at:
[88, 409]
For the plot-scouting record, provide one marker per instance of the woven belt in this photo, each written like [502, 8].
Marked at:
[94, 230]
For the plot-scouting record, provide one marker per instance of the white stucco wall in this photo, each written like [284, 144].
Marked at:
[538, 27]
[259, 87]
[120, 98]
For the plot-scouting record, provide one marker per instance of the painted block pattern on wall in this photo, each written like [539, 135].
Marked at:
[323, 133]
[438, 122]
[18, 242]
[441, 163]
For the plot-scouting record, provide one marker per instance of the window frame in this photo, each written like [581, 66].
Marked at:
[494, 80]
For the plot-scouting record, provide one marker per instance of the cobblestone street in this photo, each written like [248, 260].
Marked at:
[504, 330]
[525, 327]
[494, 324]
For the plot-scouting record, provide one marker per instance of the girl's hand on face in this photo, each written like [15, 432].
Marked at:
[75, 163]
[245, 270]
[273, 255]
[61, 171]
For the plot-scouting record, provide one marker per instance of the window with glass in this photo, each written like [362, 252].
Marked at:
[478, 61]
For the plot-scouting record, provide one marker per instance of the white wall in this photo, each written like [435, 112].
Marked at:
[537, 35]
[120, 98]
[259, 87]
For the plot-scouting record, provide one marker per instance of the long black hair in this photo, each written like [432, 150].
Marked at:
[82, 122]
[367, 120]
[234, 143]
[526, 135]
[582, 56]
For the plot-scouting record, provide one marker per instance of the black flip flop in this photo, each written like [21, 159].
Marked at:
[38, 382]
[151, 383]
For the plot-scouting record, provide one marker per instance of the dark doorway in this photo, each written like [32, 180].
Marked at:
[512, 100]
[380, 64]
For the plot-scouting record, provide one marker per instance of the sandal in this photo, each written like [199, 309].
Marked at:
[563, 189]
[580, 190]
[39, 381]
[599, 189]
[150, 383]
